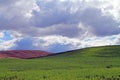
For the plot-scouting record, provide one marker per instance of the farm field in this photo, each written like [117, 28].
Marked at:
[98, 63]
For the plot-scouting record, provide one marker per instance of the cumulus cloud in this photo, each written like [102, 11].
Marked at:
[101, 25]
[60, 43]
[14, 14]
[101, 41]
[1, 35]
[45, 24]
[48, 43]
[7, 45]
[64, 15]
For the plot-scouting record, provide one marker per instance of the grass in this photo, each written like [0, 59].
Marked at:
[100, 63]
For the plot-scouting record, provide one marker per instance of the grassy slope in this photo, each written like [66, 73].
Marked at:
[85, 64]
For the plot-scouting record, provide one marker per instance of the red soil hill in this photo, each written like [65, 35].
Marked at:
[23, 54]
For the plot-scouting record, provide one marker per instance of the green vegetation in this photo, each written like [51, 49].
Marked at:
[101, 63]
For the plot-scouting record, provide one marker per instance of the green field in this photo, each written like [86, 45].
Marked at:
[101, 63]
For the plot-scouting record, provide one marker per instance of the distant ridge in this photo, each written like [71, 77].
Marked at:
[23, 54]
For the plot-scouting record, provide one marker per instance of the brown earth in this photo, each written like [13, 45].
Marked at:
[23, 54]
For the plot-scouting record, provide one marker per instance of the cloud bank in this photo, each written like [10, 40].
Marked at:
[59, 25]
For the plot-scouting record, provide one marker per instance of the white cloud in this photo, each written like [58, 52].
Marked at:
[101, 41]
[44, 17]
[1, 34]
[17, 8]
[48, 42]
[78, 23]
[6, 45]
[108, 7]
[60, 40]
[76, 43]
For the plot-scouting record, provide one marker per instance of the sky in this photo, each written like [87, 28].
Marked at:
[58, 25]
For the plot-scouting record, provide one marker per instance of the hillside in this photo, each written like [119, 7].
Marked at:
[103, 51]
[98, 63]
[24, 54]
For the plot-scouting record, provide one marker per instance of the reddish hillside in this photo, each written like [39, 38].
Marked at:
[24, 54]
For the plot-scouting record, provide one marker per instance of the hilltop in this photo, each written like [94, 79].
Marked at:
[23, 54]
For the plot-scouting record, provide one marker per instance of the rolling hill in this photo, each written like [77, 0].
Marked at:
[103, 51]
[98, 63]
[23, 54]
